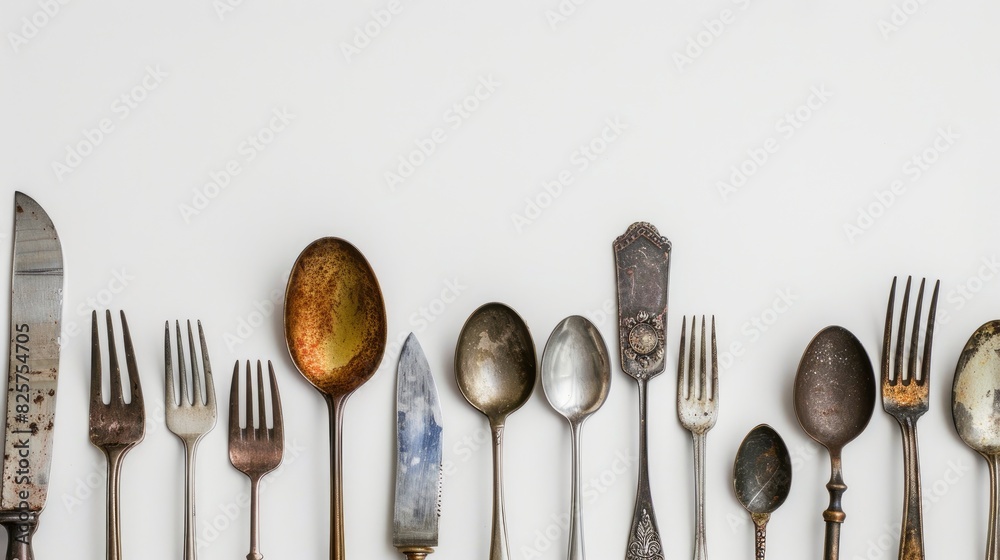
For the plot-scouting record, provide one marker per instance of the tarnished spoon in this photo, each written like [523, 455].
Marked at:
[762, 477]
[495, 367]
[335, 329]
[974, 395]
[576, 376]
[834, 400]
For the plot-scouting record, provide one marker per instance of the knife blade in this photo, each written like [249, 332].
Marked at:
[418, 459]
[35, 316]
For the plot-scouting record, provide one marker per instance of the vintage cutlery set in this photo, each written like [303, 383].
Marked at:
[335, 328]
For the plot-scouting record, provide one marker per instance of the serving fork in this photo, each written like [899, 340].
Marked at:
[189, 415]
[255, 451]
[905, 396]
[697, 410]
[118, 426]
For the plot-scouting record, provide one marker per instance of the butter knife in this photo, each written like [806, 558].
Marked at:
[35, 314]
[642, 267]
[418, 459]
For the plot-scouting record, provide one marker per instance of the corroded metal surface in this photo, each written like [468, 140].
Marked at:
[762, 477]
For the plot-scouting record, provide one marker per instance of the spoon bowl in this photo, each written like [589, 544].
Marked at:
[576, 375]
[975, 391]
[495, 368]
[762, 477]
[335, 330]
[834, 400]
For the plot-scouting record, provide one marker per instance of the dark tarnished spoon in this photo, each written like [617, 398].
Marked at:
[834, 400]
[495, 367]
[335, 329]
[975, 393]
[762, 477]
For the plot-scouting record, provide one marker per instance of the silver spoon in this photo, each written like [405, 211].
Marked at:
[576, 375]
[974, 394]
[834, 400]
[495, 368]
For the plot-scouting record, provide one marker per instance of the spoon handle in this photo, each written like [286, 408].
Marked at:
[834, 515]
[336, 405]
[644, 537]
[992, 547]
[760, 533]
[498, 540]
[576, 509]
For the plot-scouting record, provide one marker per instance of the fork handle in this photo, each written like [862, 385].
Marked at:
[700, 542]
[114, 544]
[20, 527]
[911, 538]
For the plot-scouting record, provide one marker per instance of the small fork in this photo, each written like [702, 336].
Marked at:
[905, 396]
[190, 418]
[255, 451]
[118, 426]
[697, 410]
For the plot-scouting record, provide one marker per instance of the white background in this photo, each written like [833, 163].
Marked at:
[143, 229]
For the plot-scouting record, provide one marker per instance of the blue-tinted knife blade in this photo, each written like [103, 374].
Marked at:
[419, 455]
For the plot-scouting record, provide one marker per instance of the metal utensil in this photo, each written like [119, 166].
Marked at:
[642, 267]
[255, 451]
[36, 290]
[418, 455]
[335, 330]
[697, 410]
[834, 400]
[189, 415]
[576, 376]
[974, 395]
[762, 477]
[118, 426]
[495, 368]
[905, 396]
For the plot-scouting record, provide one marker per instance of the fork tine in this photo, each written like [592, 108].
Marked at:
[715, 365]
[185, 399]
[168, 390]
[277, 431]
[703, 377]
[196, 398]
[116, 374]
[887, 336]
[96, 396]
[897, 368]
[209, 383]
[261, 417]
[692, 362]
[234, 404]
[133, 370]
[925, 366]
[911, 363]
[248, 412]
[681, 385]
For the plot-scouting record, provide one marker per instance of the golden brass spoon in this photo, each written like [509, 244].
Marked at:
[335, 329]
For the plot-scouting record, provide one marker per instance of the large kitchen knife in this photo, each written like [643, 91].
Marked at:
[418, 461]
[35, 313]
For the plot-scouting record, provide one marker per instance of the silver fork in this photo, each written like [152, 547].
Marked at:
[118, 426]
[255, 451]
[697, 410]
[190, 417]
[905, 396]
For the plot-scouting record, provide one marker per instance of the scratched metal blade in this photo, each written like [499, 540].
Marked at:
[35, 313]
[418, 439]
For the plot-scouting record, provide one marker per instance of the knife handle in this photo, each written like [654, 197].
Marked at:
[20, 528]
[416, 552]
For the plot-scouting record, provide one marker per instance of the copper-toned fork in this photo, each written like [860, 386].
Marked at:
[118, 426]
[255, 450]
[905, 396]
